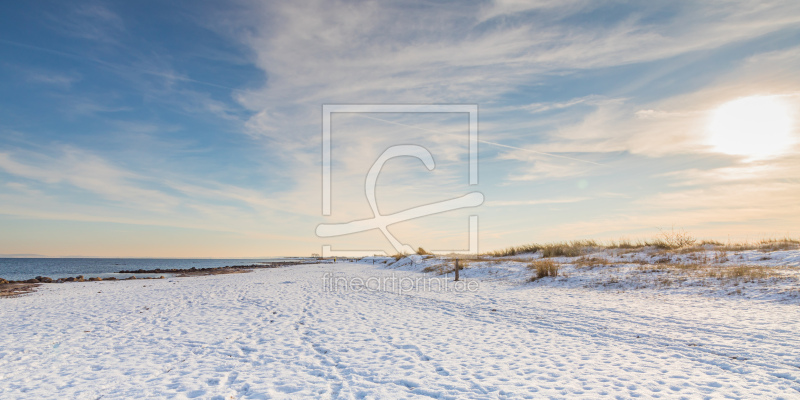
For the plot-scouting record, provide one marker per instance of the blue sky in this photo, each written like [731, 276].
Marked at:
[193, 129]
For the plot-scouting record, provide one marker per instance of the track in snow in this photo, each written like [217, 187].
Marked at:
[278, 334]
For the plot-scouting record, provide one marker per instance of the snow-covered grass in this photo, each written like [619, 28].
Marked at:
[702, 270]
[284, 334]
[676, 241]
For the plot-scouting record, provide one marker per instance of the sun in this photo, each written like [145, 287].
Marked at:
[756, 127]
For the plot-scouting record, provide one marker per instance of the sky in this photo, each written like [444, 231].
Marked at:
[194, 128]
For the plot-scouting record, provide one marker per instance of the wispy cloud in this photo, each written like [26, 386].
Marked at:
[58, 79]
[366, 53]
[86, 171]
[93, 21]
[372, 54]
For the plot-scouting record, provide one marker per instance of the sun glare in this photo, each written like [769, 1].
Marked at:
[756, 127]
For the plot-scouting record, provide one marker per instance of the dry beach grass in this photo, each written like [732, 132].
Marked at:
[673, 259]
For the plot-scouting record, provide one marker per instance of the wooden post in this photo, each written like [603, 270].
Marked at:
[456, 269]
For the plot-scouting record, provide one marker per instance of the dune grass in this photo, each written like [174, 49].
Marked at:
[669, 242]
[747, 273]
[573, 248]
[544, 269]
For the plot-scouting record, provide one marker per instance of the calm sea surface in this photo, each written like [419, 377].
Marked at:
[26, 268]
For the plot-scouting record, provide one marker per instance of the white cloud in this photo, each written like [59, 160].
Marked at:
[382, 52]
[86, 171]
[398, 53]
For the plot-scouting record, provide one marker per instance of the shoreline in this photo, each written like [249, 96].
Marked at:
[12, 288]
[228, 269]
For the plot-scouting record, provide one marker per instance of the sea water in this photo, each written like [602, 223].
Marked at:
[27, 268]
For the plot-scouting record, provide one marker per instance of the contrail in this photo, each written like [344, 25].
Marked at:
[362, 115]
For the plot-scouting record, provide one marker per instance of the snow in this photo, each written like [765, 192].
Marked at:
[290, 333]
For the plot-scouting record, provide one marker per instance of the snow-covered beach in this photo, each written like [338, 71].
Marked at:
[288, 333]
[399, 199]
